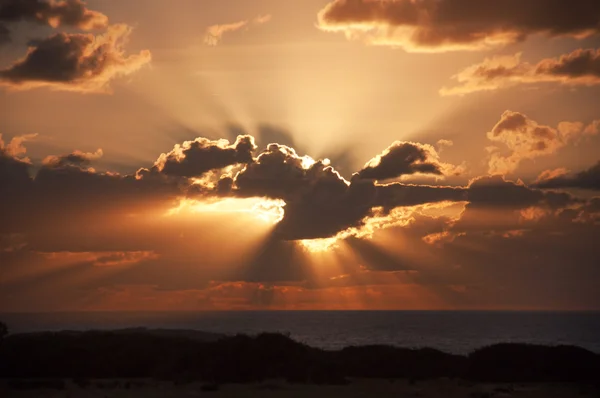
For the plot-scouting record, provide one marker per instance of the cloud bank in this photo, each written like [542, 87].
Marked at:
[578, 68]
[586, 179]
[450, 25]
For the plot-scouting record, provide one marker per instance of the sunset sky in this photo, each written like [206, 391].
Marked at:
[314, 154]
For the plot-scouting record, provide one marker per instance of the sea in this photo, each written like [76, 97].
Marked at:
[457, 332]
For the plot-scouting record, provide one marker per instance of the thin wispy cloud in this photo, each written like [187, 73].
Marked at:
[214, 33]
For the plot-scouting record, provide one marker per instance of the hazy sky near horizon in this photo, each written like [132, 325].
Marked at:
[430, 154]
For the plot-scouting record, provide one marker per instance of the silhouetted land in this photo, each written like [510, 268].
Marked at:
[189, 356]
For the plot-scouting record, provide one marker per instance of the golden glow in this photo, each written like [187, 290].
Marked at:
[269, 211]
[320, 245]
[379, 220]
[266, 210]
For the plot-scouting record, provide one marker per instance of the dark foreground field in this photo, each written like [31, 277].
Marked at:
[180, 363]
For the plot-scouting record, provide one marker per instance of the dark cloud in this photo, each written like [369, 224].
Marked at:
[4, 35]
[14, 168]
[65, 190]
[496, 206]
[67, 223]
[14, 174]
[319, 202]
[443, 25]
[279, 172]
[587, 179]
[68, 13]
[402, 158]
[496, 192]
[75, 62]
[194, 158]
[311, 190]
[71, 13]
[580, 67]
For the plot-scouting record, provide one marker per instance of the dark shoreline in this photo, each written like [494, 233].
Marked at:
[189, 356]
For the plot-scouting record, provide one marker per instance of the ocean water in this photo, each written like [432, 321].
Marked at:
[451, 331]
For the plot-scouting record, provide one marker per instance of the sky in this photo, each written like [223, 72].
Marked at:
[315, 155]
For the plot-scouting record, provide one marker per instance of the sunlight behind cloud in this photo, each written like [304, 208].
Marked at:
[266, 210]
[320, 245]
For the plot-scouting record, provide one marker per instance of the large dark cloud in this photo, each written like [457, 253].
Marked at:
[75, 62]
[586, 179]
[71, 13]
[64, 222]
[311, 190]
[317, 201]
[442, 25]
[580, 67]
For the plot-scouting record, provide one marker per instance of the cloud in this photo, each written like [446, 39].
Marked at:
[586, 179]
[443, 144]
[279, 172]
[75, 159]
[526, 139]
[101, 259]
[67, 188]
[551, 174]
[312, 200]
[580, 67]
[67, 13]
[309, 188]
[500, 208]
[483, 244]
[495, 191]
[214, 34]
[319, 202]
[195, 158]
[406, 158]
[448, 25]
[75, 62]
[12, 242]
[15, 147]
[4, 35]
[120, 259]
[14, 168]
